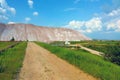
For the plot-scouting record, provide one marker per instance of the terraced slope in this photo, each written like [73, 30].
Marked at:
[24, 32]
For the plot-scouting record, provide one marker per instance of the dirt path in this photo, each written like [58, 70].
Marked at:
[91, 51]
[88, 49]
[40, 64]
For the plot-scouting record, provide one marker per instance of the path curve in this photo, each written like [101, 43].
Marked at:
[40, 64]
[92, 51]
[88, 49]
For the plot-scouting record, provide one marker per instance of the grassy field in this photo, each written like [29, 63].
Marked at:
[110, 48]
[87, 62]
[11, 61]
[4, 45]
[99, 42]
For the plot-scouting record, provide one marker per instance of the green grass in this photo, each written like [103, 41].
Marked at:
[87, 62]
[111, 49]
[11, 61]
[4, 45]
[98, 42]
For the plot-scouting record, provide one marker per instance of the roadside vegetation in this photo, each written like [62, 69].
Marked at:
[4, 44]
[92, 64]
[11, 60]
[110, 48]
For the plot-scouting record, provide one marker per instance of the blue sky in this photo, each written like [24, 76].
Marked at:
[98, 19]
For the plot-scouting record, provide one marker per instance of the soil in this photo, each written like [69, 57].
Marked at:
[40, 64]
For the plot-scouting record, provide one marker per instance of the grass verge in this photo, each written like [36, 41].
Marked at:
[11, 61]
[87, 62]
[6, 44]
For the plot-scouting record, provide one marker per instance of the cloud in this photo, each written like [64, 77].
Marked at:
[12, 10]
[107, 21]
[94, 24]
[114, 13]
[30, 3]
[11, 22]
[88, 30]
[70, 9]
[2, 11]
[3, 17]
[35, 13]
[4, 7]
[85, 31]
[112, 20]
[111, 26]
[5, 10]
[27, 19]
[101, 22]
[75, 24]
[114, 26]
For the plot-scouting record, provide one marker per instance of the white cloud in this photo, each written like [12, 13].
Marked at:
[3, 17]
[114, 13]
[35, 13]
[11, 22]
[70, 9]
[94, 24]
[85, 31]
[114, 26]
[30, 3]
[110, 26]
[2, 11]
[88, 30]
[76, 24]
[118, 26]
[5, 10]
[12, 10]
[112, 20]
[27, 19]
[4, 7]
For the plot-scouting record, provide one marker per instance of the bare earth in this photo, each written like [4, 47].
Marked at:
[40, 64]
[92, 51]
[88, 49]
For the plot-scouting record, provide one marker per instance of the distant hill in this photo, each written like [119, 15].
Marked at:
[24, 32]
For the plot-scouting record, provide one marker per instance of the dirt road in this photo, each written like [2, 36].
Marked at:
[40, 64]
[88, 49]
[92, 51]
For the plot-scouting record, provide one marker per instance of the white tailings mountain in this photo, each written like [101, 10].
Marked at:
[24, 32]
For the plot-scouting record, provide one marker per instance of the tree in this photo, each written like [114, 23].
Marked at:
[12, 39]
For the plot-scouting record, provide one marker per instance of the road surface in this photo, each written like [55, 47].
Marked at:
[87, 49]
[92, 51]
[40, 64]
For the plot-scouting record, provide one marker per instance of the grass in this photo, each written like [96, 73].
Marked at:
[87, 62]
[11, 61]
[111, 49]
[4, 45]
[98, 42]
